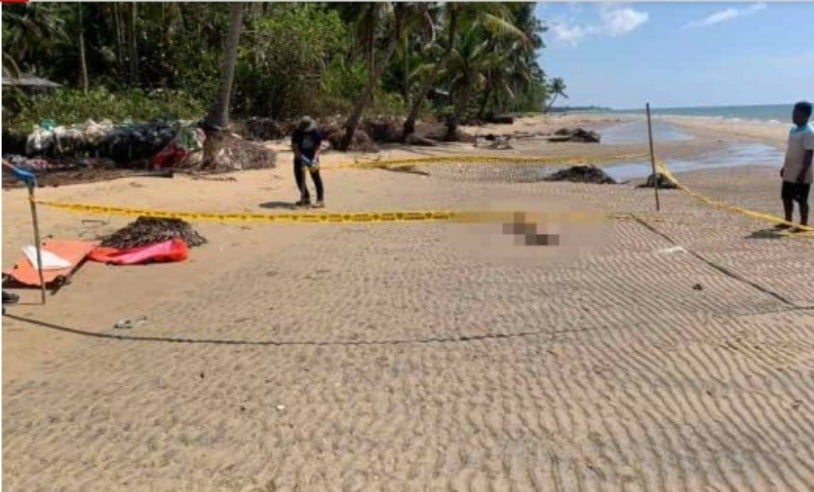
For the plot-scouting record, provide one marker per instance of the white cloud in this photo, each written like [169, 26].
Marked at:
[613, 22]
[617, 22]
[725, 15]
[569, 34]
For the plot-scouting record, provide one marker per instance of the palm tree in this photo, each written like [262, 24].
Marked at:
[556, 88]
[393, 20]
[494, 19]
[466, 68]
[218, 117]
[83, 64]
[505, 78]
[31, 33]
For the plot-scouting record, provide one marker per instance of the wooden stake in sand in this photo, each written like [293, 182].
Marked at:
[37, 237]
[653, 158]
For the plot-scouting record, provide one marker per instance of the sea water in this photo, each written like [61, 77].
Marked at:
[777, 114]
[734, 156]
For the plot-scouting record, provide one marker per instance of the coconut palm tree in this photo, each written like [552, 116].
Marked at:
[556, 88]
[496, 18]
[31, 33]
[391, 20]
[505, 78]
[466, 67]
[218, 117]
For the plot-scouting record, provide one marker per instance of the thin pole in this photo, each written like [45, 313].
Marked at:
[653, 158]
[37, 238]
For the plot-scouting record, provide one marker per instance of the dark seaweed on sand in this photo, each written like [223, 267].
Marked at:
[582, 174]
[150, 230]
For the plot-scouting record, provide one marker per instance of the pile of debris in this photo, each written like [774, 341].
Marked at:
[161, 143]
[498, 142]
[438, 131]
[581, 174]
[128, 142]
[225, 152]
[146, 231]
[383, 130]
[575, 135]
[361, 140]
[660, 180]
[371, 131]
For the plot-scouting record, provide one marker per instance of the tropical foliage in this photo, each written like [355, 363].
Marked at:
[455, 61]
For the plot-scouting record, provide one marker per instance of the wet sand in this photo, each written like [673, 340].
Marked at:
[670, 353]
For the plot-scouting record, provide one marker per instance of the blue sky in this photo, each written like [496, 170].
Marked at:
[680, 54]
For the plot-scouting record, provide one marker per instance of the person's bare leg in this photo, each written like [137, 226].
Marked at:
[788, 209]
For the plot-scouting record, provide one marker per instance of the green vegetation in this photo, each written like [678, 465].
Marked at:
[149, 60]
[75, 106]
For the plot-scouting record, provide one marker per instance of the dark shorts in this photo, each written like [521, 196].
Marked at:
[797, 192]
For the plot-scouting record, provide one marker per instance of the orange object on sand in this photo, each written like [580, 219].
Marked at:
[75, 252]
[167, 251]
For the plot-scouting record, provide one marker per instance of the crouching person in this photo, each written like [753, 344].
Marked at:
[305, 141]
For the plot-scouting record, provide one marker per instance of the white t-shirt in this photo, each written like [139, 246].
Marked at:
[801, 139]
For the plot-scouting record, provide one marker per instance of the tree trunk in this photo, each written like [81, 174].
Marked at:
[218, 117]
[134, 75]
[82, 61]
[484, 102]
[409, 124]
[361, 103]
[452, 127]
[551, 103]
[406, 75]
[454, 119]
[117, 17]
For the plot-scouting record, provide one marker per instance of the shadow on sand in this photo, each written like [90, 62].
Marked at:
[279, 206]
[766, 234]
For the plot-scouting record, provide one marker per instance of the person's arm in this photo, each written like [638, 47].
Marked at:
[808, 145]
[295, 146]
[807, 157]
[317, 145]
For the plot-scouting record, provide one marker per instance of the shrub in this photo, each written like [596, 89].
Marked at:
[71, 106]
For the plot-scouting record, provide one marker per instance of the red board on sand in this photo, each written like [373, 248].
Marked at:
[74, 252]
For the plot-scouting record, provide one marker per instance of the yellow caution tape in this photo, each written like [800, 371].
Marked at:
[485, 159]
[662, 168]
[340, 217]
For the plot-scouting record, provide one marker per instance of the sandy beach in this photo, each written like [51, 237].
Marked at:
[669, 352]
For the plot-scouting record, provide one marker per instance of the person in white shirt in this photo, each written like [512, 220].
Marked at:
[797, 172]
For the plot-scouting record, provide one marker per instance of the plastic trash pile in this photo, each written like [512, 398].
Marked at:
[127, 142]
[188, 140]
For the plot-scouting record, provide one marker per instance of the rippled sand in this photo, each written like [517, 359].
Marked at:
[669, 353]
